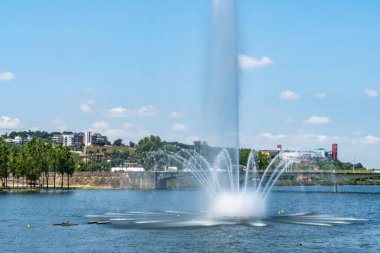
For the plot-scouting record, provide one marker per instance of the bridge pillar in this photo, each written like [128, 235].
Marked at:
[336, 187]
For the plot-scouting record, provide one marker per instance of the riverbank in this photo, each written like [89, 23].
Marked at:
[91, 180]
[99, 187]
[155, 180]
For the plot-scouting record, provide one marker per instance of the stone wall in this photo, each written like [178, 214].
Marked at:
[116, 180]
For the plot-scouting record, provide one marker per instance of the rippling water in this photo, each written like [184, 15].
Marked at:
[300, 219]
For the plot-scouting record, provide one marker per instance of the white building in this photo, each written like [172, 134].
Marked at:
[17, 140]
[129, 169]
[68, 140]
[88, 138]
[299, 155]
[57, 138]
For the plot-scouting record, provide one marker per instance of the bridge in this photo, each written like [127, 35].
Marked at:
[165, 180]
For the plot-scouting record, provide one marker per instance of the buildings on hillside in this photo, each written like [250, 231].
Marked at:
[69, 139]
[18, 140]
[78, 140]
[304, 155]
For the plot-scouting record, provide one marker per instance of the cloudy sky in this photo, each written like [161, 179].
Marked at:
[309, 71]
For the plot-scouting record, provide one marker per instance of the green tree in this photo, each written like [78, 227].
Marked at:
[4, 151]
[22, 163]
[53, 162]
[35, 161]
[148, 145]
[263, 160]
[118, 143]
[12, 162]
[45, 160]
[244, 154]
[66, 164]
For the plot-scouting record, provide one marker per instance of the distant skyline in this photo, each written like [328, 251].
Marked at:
[309, 71]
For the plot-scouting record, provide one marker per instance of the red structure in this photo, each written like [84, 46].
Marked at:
[334, 154]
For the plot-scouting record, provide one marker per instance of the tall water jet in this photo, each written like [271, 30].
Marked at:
[221, 96]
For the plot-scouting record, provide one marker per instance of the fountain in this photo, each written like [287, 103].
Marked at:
[230, 197]
[235, 195]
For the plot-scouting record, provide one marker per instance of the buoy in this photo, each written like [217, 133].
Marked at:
[28, 226]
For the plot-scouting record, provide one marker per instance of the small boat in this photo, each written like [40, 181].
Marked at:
[99, 222]
[103, 222]
[65, 224]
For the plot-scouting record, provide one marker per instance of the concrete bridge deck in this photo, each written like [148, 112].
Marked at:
[165, 180]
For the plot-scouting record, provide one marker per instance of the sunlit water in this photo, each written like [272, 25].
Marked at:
[174, 221]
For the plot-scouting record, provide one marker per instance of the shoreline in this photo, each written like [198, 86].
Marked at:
[89, 187]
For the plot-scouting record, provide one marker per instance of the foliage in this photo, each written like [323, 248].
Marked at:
[33, 134]
[35, 160]
[118, 142]
[263, 160]
[244, 154]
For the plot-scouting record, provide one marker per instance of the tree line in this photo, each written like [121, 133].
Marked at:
[34, 162]
[39, 158]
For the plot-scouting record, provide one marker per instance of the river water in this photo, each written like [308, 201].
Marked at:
[171, 221]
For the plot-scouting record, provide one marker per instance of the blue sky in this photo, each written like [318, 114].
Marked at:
[308, 70]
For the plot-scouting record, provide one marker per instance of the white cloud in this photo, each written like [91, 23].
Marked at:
[132, 134]
[247, 62]
[57, 122]
[289, 120]
[178, 127]
[320, 95]
[117, 112]
[296, 141]
[61, 128]
[85, 106]
[322, 138]
[89, 89]
[317, 120]
[371, 93]
[175, 114]
[147, 111]
[288, 95]
[272, 137]
[6, 76]
[128, 126]
[7, 122]
[370, 139]
[100, 125]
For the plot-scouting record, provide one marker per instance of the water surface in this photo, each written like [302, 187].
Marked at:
[41, 210]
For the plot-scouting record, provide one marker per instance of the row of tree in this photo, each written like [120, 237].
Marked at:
[35, 162]
[38, 159]
[151, 152]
